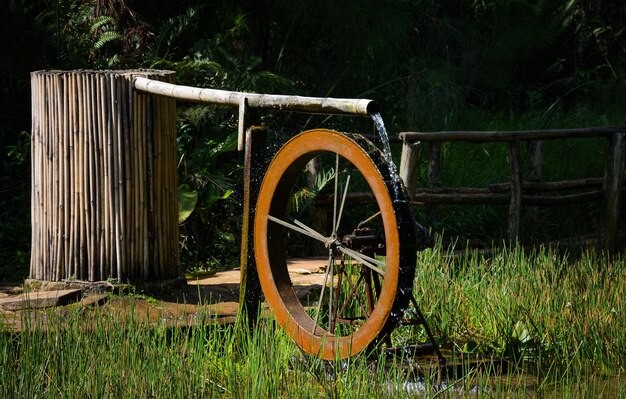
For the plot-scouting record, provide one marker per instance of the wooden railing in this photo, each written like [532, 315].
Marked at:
[519, 192]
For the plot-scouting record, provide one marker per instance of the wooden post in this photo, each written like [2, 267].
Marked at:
[535, 160]
[100, 158]
[516, 192]
[612, 192]
[434, 166]
[534, 175]
[254, 167]
[409, 165]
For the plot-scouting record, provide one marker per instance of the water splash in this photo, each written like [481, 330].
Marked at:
[384, 137]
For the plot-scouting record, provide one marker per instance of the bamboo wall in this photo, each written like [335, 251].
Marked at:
[104, 181]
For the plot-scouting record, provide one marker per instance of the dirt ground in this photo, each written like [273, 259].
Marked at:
[176, 302]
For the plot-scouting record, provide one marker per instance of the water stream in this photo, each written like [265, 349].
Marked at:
[384, 137]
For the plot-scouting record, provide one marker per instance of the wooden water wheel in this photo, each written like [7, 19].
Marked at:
[369, 243]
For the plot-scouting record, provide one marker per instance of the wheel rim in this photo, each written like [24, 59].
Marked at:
[351, 275]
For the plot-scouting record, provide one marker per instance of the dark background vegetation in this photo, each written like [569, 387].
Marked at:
[433, 65]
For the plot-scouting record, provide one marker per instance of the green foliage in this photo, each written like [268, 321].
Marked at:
[302, 198]
[431, 64]
[187, 199]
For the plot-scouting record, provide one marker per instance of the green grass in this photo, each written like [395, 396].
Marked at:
[556, 319]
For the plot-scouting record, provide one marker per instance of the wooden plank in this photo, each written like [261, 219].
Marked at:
[527, 186]
[457, 197]
[535, 160]
[40, 299]
[434, 166]
[491, 136]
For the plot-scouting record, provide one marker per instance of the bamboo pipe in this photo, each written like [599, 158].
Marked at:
[315, 105]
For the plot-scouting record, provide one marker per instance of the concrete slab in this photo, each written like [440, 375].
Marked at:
[41, 299]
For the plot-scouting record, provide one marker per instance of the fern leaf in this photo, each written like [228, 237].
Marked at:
[101, 22]
[107, 37]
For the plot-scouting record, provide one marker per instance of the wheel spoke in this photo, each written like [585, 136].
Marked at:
[331, 266]
[366, 260]
[319, 302]
[307, 231]
[369, 219]
[343, 202]
[335, 196]
[310, 230]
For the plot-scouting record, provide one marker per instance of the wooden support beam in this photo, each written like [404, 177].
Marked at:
[612, 199]
[254, 169]
[516, 191]
[477, 196]
[434, 165]
[409, 165]
[482, 136]
[527, 186]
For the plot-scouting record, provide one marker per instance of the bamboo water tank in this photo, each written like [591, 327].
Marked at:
[104, 182]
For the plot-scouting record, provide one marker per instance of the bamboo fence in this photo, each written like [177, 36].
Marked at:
[104, 180]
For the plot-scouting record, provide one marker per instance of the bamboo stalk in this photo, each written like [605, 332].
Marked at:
[106, 166]
[89, 183]
[99, 170]
[143, 210]
[33, 171]
[174, 201]
[115, 227]
[44, 185]
[66, 175]
[135, 186]
[128, 200]
[61, 184]
[145, 184]
[152, 244]
[158, 184]
[54, 192]
[50, 145]
[81, 268]
[94, 265]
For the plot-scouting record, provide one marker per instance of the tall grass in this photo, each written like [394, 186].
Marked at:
[546, 323]
[560, 314]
